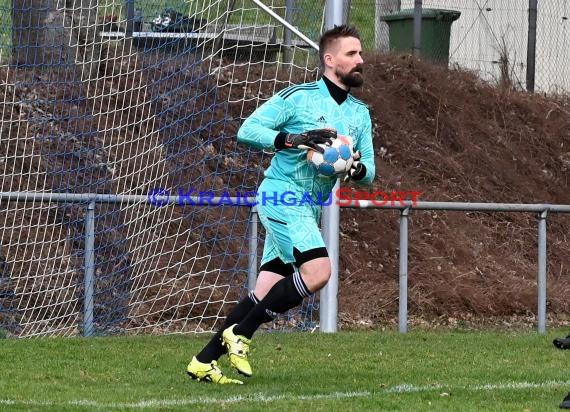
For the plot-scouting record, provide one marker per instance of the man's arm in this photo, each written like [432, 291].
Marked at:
[366, 149]
[260, 129]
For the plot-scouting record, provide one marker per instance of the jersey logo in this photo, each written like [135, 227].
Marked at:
[353, 131]
[322, 120]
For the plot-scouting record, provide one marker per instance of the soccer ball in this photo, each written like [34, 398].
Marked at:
[337, 158]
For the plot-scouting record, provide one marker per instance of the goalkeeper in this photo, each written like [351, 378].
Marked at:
[295, 262]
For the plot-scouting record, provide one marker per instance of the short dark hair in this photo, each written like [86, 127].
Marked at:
[333, 34]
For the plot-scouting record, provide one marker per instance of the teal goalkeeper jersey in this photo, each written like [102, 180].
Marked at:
[298, 109]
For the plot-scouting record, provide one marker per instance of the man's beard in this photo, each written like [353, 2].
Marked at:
[353, 78]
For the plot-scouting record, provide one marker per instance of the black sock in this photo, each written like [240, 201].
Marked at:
[214, 349]
[284, 295]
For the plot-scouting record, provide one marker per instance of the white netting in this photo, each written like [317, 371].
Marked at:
[116, 101]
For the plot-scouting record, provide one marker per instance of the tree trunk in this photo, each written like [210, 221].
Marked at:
[45, 36]
[27, 44]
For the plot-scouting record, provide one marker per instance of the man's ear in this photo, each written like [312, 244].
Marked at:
[328, 59]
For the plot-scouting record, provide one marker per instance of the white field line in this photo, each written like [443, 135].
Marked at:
[262, 398]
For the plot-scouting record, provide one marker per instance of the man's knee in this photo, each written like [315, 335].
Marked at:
[269, 274]
[316, 273]
[314, 266]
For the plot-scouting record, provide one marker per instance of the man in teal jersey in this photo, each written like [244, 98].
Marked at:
[295, 262]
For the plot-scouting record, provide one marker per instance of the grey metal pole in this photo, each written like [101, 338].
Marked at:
[197, 201]
[328, 310]
[281, 20]
[334, 13]
[252, 257]
[89, 269]
[130, 11]
[417, 28]
[328, 313]
[417, 46]
[541, 283]
[531, 46]
[287, 41]
[347, 6]
[403, 275]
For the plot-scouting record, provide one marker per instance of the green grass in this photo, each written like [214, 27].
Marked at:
[5, 31]
[363, 15]
[357, 371]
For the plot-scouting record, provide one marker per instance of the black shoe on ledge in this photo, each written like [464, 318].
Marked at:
[566, 402]
[562, 343]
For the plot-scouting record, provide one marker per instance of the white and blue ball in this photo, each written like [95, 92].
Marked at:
[336, 159]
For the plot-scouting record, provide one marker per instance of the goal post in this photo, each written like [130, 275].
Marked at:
[334, 13]
[124, 112]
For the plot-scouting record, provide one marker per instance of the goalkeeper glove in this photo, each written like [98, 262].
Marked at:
[357, 170]
[307, 140]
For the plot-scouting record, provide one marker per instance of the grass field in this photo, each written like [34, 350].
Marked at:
[348, 371]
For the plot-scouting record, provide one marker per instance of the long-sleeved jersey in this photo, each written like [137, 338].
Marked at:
[298, 109]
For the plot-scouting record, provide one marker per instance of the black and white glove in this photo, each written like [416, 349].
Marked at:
[357, 170]
[307, 140]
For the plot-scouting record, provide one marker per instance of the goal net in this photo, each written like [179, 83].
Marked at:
[126, 99]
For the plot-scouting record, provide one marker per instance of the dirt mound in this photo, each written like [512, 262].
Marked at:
[442, 132]
[454, 138]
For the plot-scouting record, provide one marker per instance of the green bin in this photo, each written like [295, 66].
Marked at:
[436, 30]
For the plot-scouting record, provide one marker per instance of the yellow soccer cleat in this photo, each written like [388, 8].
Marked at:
[209, 372]
[238, 349]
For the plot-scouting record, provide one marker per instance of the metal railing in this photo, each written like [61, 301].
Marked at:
[405, 207]
[90, 200]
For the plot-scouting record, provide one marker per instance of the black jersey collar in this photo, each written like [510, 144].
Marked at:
[337, 93]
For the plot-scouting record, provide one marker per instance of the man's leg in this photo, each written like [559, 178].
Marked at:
[238, 348]
[201, 366]
[294, 235]
[214, 348]
[204, 365]
[265, 281]
[286, 294]
[562, 343]
[289, 292]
